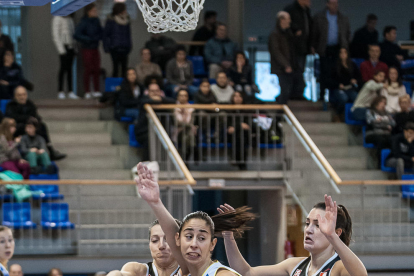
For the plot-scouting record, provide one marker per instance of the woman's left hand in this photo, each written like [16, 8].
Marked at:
[327, 223]
[22, 161]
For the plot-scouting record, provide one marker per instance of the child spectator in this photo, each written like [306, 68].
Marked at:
[402, 150]
[11, 75]
[180, 73]
[146, 67]
[130, 96]
[10, 158]
[222, 90]
[405, 115]
[368, 93]
[33, 148]
[204, 94]
[394, 91]
[240, 75]
[379, 124]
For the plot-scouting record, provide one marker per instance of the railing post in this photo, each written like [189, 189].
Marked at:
[152, 142]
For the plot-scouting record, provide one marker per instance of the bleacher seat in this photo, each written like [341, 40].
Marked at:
[43, 176]
[407, 190]
[271, 146]
[349, 119]
[384, 155]
[407, 85]
[132, 141]
[112, 83]
[198, 65]
[358, 61]
[366, 145]
[18, 215]
[407, 64]
[56, 216]
[49, 192]
[126, 119]
[3, 105]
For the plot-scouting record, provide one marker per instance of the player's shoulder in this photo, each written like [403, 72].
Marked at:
[223, 271]
[291, 263]
[135, 269]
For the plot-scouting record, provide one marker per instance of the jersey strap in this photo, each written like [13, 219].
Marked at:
[152, 270]
[213, 268]
[302, 268]
[4, 270]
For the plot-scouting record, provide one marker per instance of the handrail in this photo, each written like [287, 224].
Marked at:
[170, 145]
[220, 106]
[192, 43]
[91, 182]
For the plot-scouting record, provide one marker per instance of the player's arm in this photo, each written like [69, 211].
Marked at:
[130, 269]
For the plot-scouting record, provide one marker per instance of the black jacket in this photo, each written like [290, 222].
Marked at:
[202, 34]
[389, 51]
[301, 21]
[400, 148]
[401, 119]
[363, 38]
[89, 32]
[281, 49]
[162, 49]
[245, 77]
[200, 98]
[22, 112]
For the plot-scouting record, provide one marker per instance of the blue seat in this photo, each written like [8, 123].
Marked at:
[366, 145]
[126, 119]
[407, 85]
[196, 82]
[112, 83]
[132, 140]
[198, 65]
[3, 105]
[271, 146]
[18, 215]
[406, 64]
[384, 155]
[212, 81]
[349, 118]
[43, 176]
[49, 192]
[56, 215]
[408, 77]
[358, 61]
[407, 190]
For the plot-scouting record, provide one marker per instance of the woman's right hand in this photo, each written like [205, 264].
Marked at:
[148, 188]
[226, 208]
[17, 139]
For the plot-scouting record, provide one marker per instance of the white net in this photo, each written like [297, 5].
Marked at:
[170, 15]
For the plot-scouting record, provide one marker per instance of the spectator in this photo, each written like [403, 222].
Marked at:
[11, 75]
[394, 91]
[63, 29]
[117, 38]
[402, 150]
[34, 150]
[379, 124]
[141, 127]
[162, 49]
[301, 27]
[241, 75]
[89, 33]
[367, 94]
[204, 33]
[345, 84]
[222, 90]
[283, 59]
[55, 272]
[391, 52]
[15, 270]
[157, 80]
[180, 73]
[204, 94]
[146, 67]
[130, 96]
[6, 249]
[238, 131]
[10, 158]
[331, 31]
[363, 37]
[5, 42]
[369, 67]
[21, 109]
[219, 51]
[405, 115]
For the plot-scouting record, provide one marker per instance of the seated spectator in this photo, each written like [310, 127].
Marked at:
[204, 94]
[367, 94]
[405, 115]
[241, 76]
[11, 75]
[219, 51]
[15, 270]
[185, 130]
[21, 109]
[391, 52]
[5, 42]
[222, 90]
[130, 95]
[157, 80]
[363, 37]
[238, 132]
[162, 49]
[402, 150]
[369, 67]
[180, 73]
[379, 124]
[345, 83]
[141, 127]
[146, 67]
[204, 33]
[10, 158]
[394, 91]
[33, 148]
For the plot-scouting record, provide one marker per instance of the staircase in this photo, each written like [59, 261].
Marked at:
[384, 225]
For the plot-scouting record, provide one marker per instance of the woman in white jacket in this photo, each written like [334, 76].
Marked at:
[63, 29]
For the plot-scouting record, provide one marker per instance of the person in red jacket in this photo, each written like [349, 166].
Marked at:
[369, 67]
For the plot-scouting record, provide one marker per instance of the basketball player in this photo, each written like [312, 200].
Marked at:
[6, 248]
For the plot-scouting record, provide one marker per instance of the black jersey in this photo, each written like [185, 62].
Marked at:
[152, 270]
[302, 268]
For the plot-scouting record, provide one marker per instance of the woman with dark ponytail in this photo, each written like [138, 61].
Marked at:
[328, 232]
[195, 238]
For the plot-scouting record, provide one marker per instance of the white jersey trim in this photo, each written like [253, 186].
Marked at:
[296, 267]
[327, 262]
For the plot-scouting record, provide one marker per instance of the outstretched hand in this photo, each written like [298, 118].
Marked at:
[225, 208]
[148, 188]
[327, 223]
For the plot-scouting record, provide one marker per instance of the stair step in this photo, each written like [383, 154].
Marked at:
[101, 138]
[77, 126]
[377, 244]
[316, 116]
[348, 163]
[90, 150]
[336, 152]
[109, 248]
[69, 114]
[98, 190]
[330, 140]
[326, 128]
[115, 219]
[113, 174]
[107, 162]
[380, 215]
[384, 229]
[111, 202]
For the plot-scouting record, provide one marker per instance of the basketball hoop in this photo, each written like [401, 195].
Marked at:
[170, 15]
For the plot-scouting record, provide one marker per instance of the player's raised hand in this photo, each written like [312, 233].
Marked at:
[327, 223]
[225, 208]
[147, 186]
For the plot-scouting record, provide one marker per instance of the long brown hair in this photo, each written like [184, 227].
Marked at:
[5, 125]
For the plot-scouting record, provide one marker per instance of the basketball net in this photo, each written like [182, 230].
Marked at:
[170, 15]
